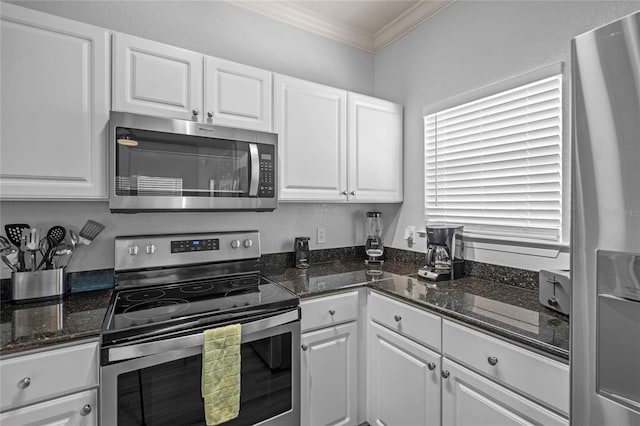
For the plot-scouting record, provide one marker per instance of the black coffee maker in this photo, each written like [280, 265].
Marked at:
[442, 263]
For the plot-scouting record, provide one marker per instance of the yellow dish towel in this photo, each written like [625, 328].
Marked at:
[221, 374]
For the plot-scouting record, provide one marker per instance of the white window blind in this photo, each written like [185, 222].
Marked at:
[494, 165]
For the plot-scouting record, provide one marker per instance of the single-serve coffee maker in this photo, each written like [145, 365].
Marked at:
[373, 247]
[443, 262]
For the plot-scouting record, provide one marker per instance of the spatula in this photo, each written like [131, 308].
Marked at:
[90, 231]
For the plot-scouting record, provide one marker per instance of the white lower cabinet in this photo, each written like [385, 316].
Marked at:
[73, 410]
[330, 360]
[404, 380]
[52, 387]
[471, 399]
[329, 379]
[413, 380]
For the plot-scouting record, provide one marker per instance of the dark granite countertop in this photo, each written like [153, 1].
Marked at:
[508, 311]
[37, 325]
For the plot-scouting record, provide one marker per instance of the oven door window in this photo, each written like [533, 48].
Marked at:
[161, 164]
[169, 393]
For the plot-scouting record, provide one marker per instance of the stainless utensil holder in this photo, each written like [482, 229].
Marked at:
[38, 285]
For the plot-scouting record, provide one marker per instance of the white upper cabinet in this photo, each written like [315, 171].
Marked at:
[156, 79]
[336, 146]
[311, 122]
[237, 95]
[55, 106]
[375, 149]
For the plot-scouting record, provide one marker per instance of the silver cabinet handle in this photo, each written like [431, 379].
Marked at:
[305, 347]
[210, 114]
[85, 410]
[24, 383]
[397, 318]
[195, 111]
[344, 192]
[431, 366]
[492, 360]
[332, 312]
[353, 193]
[445, 374]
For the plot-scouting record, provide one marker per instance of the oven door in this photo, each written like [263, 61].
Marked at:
[164, 388]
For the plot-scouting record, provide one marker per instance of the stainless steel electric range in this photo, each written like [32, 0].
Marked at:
[168, 290]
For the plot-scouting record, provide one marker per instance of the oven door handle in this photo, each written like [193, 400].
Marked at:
[123, 353]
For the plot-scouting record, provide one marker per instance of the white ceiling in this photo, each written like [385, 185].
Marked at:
[367, 24]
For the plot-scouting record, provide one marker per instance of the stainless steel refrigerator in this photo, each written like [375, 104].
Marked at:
[605, 320]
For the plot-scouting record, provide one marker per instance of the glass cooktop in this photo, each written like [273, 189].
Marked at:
[156, 310]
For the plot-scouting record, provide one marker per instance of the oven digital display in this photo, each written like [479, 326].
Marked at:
[184, 246]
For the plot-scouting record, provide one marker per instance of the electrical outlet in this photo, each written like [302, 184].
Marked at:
[410, 233]
[322, 236]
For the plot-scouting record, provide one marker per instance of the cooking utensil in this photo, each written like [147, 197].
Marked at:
[33, 245]
[9, 253]
[14, 232]
[75, 239]
[55, 235]
[63, 249]
[15, 235]
[89, 231]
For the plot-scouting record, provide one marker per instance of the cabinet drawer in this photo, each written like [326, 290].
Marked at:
[409, 321]
[78, 409]
[32, 378]
[329, 310]
[532, 374]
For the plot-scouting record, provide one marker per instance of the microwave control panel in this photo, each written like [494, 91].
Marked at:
[266, 184]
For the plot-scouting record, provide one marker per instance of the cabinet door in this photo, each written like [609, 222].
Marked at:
[470, 399]
[403, 381]
[79, 409]
[237, 95]
[156, 79]
[55, 106]
[311, 122]
[329, 376]
[375, 150]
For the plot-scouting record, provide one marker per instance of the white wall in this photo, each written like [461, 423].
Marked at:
[467, 46]
[227, 31]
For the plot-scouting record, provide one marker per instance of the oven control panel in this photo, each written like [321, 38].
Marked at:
[158, 251]
[181, 246]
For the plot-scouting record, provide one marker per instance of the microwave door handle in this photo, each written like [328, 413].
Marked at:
[255, 170]
[122, 353]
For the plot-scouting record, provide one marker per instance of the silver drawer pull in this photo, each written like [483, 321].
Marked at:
[397, 318]
[24, 383]
[445, 374]
[305, 347]
[492, 360]
[86, 410]
[332, 312]
[431, 366]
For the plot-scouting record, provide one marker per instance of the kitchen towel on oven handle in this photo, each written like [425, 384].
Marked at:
[221, 374]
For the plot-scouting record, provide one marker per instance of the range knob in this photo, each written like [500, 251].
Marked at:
[133, 249]
[150, 248]
[235, 244]
[247, 243]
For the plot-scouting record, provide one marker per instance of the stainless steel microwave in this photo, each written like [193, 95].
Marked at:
[161, 164]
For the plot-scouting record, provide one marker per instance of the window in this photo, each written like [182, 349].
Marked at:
[494, 165]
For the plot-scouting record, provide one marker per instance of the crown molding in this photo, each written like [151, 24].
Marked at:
[290, 13]
[408, 21]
